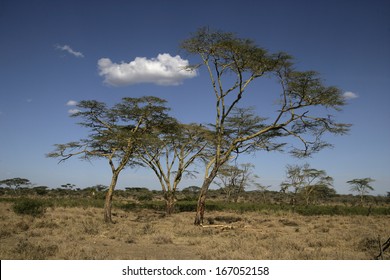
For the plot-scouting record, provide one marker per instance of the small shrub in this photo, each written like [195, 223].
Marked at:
[227, 219]
[26, 206]
[46, 224]
[90, 227]
[28, 251]
[368, 244]
[211, 221]
[148, 229]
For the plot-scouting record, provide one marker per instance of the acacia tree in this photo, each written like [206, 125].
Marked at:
[233, 64]
[306, 181]
[170, 151]
[115, 134]
[263, 190]
[361, 186]
[15, 183]
[233, 179]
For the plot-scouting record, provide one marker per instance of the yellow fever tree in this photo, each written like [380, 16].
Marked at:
[115, 134]
[233, 64]
[170, 151]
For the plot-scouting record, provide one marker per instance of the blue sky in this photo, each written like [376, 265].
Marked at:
[53, 52]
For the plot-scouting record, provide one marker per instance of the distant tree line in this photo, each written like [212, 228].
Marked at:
[233, 187]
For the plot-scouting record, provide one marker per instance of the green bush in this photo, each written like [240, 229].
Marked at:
[186, 206]
[128, 206]
[85, 202]
[32, 207]
[145, 197]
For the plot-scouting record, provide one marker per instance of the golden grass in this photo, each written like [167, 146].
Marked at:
[77, 233]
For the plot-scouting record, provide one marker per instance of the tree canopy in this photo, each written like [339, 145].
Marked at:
[170, 152]
[361, 186]
[233, 63]
[115, 134]
[307, 181]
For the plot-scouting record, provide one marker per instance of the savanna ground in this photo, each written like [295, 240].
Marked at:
[79, 233]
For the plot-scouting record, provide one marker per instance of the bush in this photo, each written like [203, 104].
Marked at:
[145, 197]
[28, 251]
[32, 207]
[186, 206]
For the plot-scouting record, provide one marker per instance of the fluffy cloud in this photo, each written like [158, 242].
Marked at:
[350, 95]
[163, 70]
[69, 50]
[73, 111]
[71, 103]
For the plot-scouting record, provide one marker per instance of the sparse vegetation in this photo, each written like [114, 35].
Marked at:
[66, 224]
[142, 230]
[27, 206]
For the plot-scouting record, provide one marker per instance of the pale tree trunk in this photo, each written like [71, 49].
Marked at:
[202, 197]
[170, 202]
[108, 200]
[201, 206]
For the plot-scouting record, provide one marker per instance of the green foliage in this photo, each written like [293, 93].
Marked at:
[233, 63]
[41, 190]
[145, 197]
[361, 186]
[343, 205]
[306, 210]
[78, 202]
[15, 183]
[32, 207]
[312, 210]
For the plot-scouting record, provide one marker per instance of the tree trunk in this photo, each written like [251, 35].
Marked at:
[202, 198]
[200, 207]
[170, 202]
[307, 200]
[108, 200]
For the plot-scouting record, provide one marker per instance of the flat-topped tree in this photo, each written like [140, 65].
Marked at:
[15, 183]
[234, 179]
[115, 134]
[233, 64]
[307, 181]
[361, 186]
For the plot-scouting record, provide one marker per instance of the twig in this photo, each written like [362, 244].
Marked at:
[383, 248]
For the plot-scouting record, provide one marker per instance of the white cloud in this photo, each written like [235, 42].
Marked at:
[350, 95]
[71, 103]
[73, 111]
[164, 70]
[69, 50]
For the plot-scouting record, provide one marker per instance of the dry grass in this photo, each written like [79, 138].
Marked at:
[76, 233]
